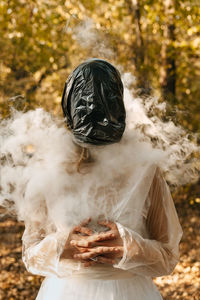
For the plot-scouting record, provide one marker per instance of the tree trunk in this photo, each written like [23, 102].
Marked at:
[168, 55]
[138, 46]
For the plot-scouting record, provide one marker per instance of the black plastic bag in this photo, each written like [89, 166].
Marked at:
[92, 103]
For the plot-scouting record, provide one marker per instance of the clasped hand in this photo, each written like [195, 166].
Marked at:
[90, 248]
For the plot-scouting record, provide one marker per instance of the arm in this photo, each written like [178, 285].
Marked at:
[42, 251]
[158, 254]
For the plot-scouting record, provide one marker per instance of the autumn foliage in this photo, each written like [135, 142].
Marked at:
[157, 41]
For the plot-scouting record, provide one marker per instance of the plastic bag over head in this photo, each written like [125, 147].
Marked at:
[92, 103]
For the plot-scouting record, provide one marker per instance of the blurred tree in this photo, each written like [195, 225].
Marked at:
[138, 46]
[32, 45]
[158, 41]
[168, 55]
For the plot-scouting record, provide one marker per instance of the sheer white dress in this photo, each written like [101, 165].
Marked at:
[140, 204]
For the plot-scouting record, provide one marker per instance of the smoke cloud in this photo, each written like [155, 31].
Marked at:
[87, 35]
[38, 160]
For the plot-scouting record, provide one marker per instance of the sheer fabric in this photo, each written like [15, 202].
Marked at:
[150, 248]
[158, 254]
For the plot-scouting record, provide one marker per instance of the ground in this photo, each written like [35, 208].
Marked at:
[184, 283]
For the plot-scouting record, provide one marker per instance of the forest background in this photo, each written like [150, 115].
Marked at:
[41, 41]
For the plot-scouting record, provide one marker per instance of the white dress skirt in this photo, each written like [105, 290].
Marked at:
[126, 287]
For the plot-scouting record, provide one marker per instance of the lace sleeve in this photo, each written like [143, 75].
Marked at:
[158, 254]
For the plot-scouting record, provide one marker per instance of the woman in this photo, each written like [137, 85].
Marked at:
[122, 226]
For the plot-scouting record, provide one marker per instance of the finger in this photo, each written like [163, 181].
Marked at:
[84, 256]
[93, 252]
[82, 229]
[117, 250]
[88, 263]
[82, 250]
[103, 236]
[102, 250]
[82, 224]
[82, 243]
[105, 260]
[85, 222]
[91, 240]
[108, 224]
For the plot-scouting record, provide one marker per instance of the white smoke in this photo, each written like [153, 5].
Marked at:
[38, 158]
[87, 35]
[181, 166]
[38, 162]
